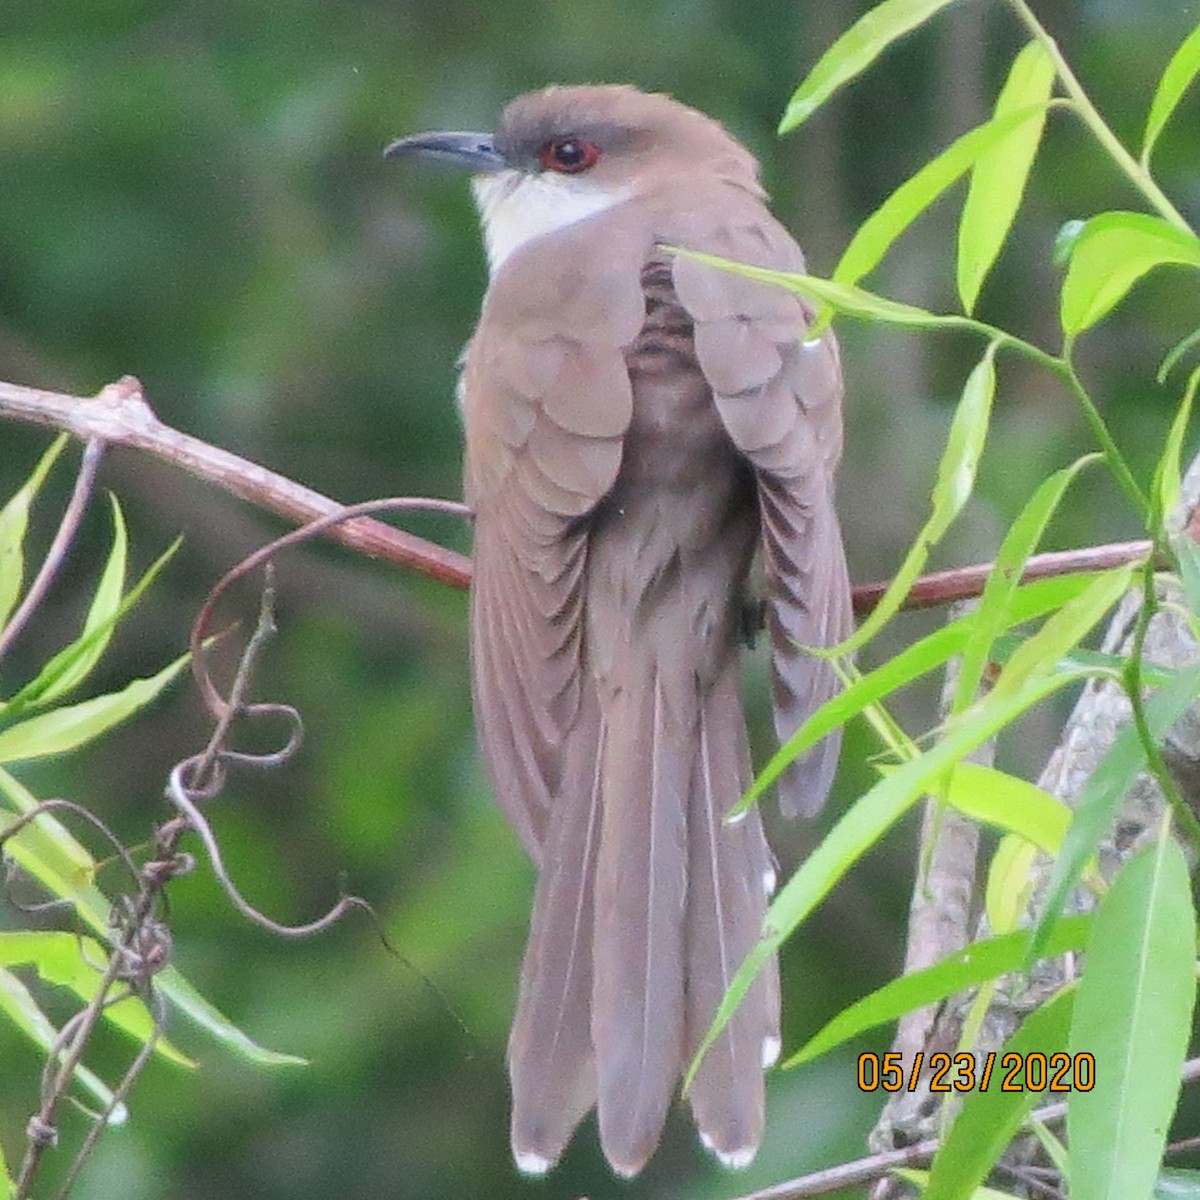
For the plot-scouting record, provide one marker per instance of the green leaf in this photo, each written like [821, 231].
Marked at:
[998, 178]
[47, 851]
[992, 613]
[1107, 786]
[1006, 802]
[1033, 599]
[8, 1187]
[1175, 1183]
[14, 521]
[184, 996]
[1187, 555]
[842, 297]
[71, 665]
[1175, 80]
[973, 965]
[23, 1011]
[951, 490]
[990, 1117]
[1113, 251]
[76, 963]
[921, 1180]
[1042, 653]
[102, 613]
[1006, 895]
[64, 729]
[868, 819]
[1168, 483]
[1133, 1011]
[875, 236]
[854, 51]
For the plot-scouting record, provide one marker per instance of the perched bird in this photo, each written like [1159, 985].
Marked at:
[638, 426]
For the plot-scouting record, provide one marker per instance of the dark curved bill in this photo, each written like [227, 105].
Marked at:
[474, 152]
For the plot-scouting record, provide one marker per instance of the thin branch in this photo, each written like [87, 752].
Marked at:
[120, 416]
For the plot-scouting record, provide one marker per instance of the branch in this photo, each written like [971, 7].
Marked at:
[119, 415]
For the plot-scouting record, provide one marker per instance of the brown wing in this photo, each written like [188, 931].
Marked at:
[779, 398]
[547, 401]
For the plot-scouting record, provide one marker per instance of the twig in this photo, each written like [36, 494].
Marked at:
[865, 1170]
[120, 416]
[93, 452]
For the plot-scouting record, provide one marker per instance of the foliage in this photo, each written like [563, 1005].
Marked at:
[1137, 991]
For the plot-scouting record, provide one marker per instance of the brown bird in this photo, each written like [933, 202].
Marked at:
[638, 425]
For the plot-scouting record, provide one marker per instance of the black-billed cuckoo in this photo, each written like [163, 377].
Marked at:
[638, 425]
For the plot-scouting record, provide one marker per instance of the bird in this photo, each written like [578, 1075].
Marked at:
[641, 429]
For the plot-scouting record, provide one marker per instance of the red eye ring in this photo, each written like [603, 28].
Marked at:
[568, 155]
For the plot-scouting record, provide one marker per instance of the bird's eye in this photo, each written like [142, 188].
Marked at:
[568, 155]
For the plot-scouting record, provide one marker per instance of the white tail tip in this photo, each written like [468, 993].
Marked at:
[529, 1163]
[770, 1051]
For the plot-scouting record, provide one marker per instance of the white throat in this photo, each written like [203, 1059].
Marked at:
[517, 208]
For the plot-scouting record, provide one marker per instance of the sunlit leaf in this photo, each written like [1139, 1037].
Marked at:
[989, 1117]
[64, 729]
[1101, 796]
[875, 236]
[968, 968]
[1168, 476]
[854, 51]
[1133, 1011]
[14, 521]
[1006, 894]
[76, 963]
[1009, 803]
[1113, 251]
[998, 177]
[1175, 80]
[22, 1010]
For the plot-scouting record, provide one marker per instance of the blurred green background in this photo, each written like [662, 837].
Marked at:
[193, 193]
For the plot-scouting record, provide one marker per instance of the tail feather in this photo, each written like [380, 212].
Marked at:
[638, 986]
[729, 870]
[550, 1055]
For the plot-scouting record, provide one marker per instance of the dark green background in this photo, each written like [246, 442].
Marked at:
[193, 193]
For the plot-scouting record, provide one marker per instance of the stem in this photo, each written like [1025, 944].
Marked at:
[1137, 173]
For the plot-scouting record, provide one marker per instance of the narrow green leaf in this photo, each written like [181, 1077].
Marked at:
[1168, 482]
[71, 665]
[1042, 653]
[921, 1180]
[184, 996]
[999, 176]
[1114, 250]
[854, 51]
[1107, 786]
[1187, 555]
[1031, 600]
[951, 490]
[992, 613]
[1006, 895]
[973, 965]
[76, 963]
[47, 851]
[8, 1186]
[14, 521]
[990, 1117]
[1175, 80]
[64, 729]
[842, 297]
[875, 236]
[868, 819]
[1175, 1183]
[102, 614]
[22, 1010]
[1006, 802]
[1133, 1011]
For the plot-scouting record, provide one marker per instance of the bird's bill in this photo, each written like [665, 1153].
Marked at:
[474, 152]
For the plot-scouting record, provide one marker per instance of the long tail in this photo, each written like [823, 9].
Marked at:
[646, 906]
